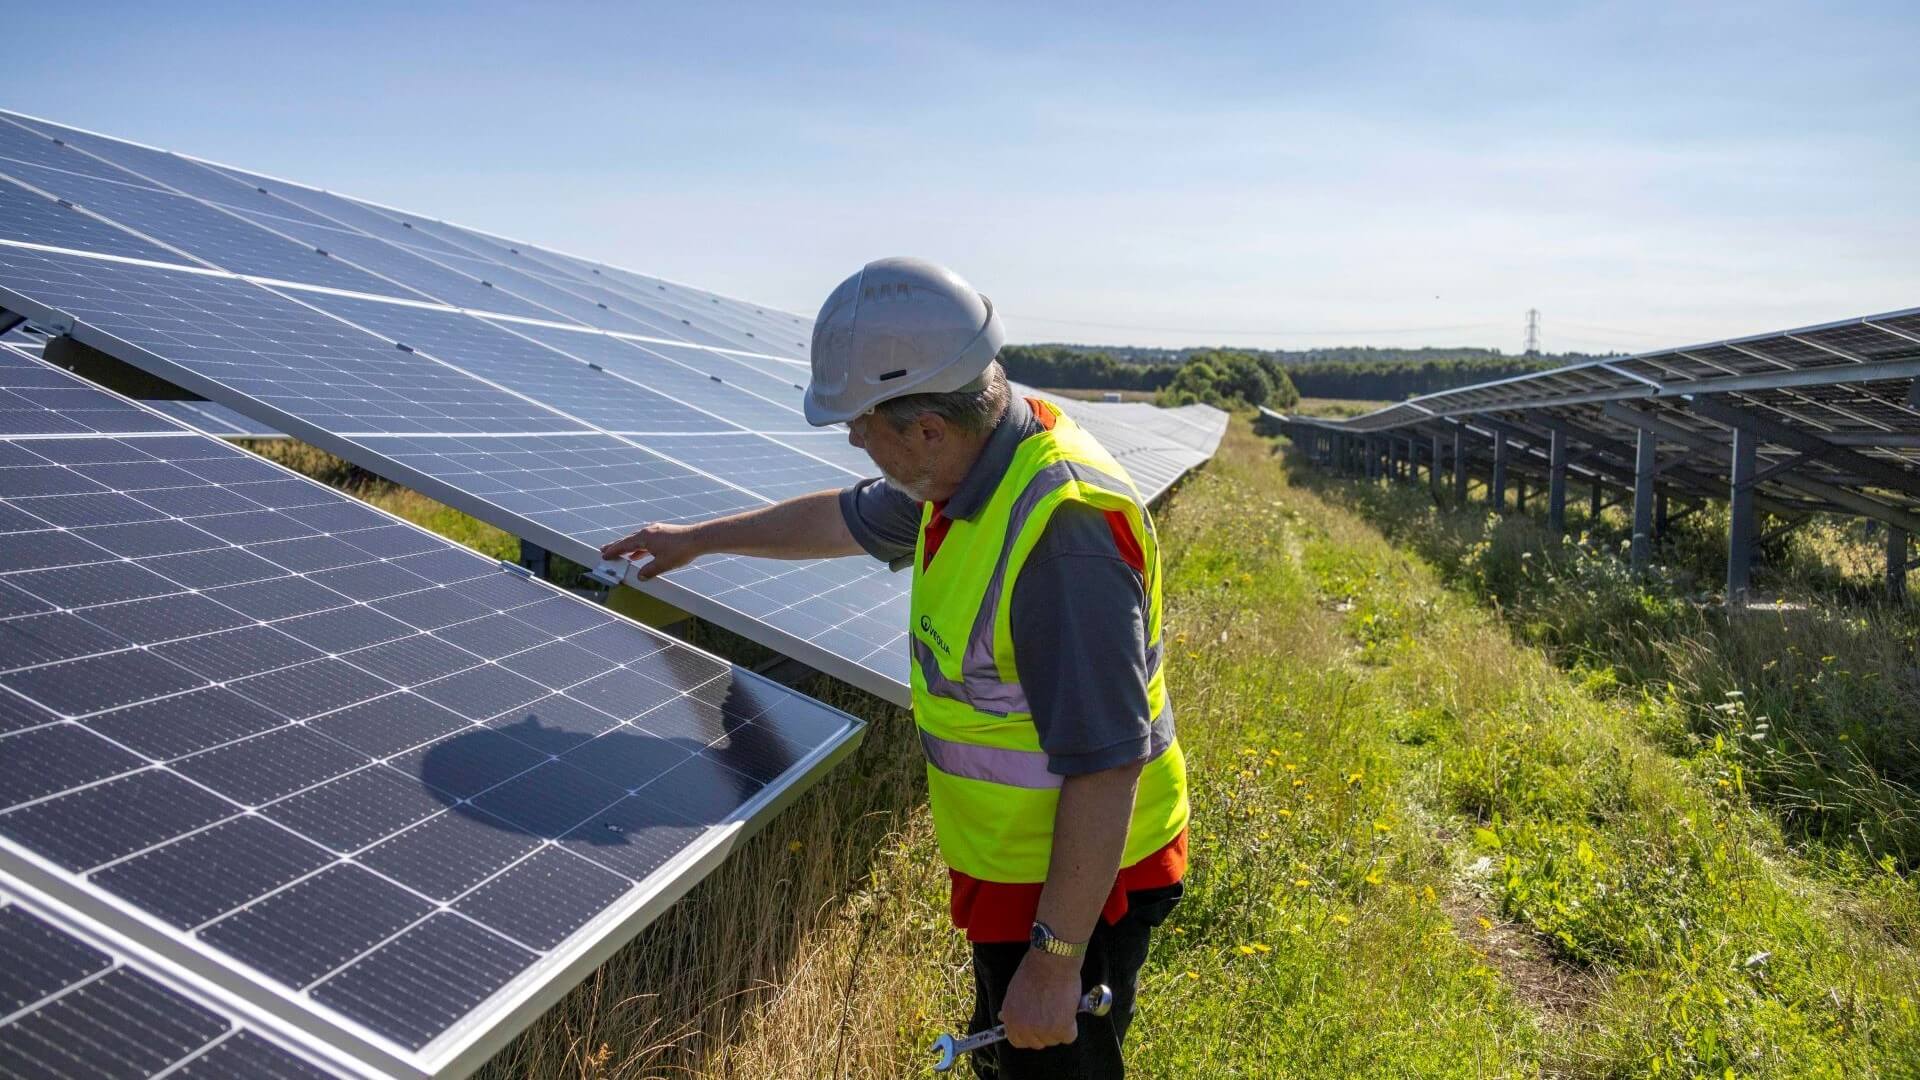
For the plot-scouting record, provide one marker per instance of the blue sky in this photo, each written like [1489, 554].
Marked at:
[1273, 174]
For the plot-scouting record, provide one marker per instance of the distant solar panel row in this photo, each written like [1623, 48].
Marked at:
[563, 401]
[391, 791]
[1833, 410]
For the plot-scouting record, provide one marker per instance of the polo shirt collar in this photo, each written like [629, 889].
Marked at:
[996, 457]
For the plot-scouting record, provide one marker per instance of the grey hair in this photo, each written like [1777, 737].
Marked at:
[974, 412]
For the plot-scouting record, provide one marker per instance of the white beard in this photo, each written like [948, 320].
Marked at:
[916, 486]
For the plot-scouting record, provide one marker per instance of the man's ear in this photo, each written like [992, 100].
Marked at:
[931, 429]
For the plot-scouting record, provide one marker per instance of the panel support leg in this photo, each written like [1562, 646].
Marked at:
[1644, 475]
[1896, 564]
[1459, 466]
[1497, 492]
[1740, 529]
[1593, 505]
[534, 558]
[1557, 483]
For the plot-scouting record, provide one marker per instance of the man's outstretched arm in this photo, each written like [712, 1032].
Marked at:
[803, 527]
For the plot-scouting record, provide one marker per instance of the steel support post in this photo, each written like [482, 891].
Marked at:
[1593, 504]
[1497, 491]
[1557, 482]
[1433, 466]
[1644, 466]
[1740, 527]
[1896, 563]
[1661, 518]
[1460, 466]
[534, 558]
[1373, 458]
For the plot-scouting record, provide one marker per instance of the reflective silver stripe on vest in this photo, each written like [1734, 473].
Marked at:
[1019, 768]
[981, 687]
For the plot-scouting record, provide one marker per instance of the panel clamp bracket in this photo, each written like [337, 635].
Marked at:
[612, 572]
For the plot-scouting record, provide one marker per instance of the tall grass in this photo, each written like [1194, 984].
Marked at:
[1815, 694]
[1421, 847]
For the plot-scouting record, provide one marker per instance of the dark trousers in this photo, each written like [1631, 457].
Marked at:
[1114, 956]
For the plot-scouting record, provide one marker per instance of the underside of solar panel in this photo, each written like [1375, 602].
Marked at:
[384, 797]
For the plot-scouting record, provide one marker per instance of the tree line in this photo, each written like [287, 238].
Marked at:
[1274, 378]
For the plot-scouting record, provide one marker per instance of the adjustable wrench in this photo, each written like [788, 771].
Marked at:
[1098, 1002]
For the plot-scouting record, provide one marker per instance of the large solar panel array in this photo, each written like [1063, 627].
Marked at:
[394, 795]
[565, 401]
[1831, 413]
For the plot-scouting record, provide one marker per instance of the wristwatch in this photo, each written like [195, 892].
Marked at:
[1042, 938]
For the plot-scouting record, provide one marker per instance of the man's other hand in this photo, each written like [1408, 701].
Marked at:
[1043, 1002]
[672, 546]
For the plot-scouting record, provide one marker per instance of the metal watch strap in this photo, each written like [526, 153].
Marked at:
[1042, 937]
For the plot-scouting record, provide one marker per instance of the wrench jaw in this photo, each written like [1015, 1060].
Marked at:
[944, 1046]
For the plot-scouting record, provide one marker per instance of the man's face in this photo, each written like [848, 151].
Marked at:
[906, 458]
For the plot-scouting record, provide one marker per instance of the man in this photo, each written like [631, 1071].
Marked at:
[1058, 791]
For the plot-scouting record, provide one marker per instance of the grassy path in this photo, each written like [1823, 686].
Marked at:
[1420, 849]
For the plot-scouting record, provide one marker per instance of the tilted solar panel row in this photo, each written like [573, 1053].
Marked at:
[342, 371]
[563, 401]
[395, 794]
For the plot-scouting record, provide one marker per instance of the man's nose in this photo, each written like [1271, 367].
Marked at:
[853, 436]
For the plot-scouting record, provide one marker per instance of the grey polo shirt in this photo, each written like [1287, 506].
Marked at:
[1079, 612]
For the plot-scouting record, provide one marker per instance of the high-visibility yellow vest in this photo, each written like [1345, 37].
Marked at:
[992, 797]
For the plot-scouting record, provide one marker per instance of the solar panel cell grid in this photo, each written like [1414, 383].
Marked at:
[40, 219]
[184, 778]
[71, 1009]
[216, 236]
[402, 264]
[498, 356]
[750, 406]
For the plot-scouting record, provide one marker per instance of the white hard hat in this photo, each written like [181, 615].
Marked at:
[899, 326]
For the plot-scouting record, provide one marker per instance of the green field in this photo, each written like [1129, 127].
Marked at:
[1469, 801]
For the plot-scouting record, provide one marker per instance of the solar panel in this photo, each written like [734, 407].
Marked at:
[395, 795]
[564, 401]
[74, 1007]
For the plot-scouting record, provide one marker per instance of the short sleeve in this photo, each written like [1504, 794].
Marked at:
[1079, 626]
[883, 519]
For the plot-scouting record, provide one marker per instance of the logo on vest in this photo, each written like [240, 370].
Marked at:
[926, 627]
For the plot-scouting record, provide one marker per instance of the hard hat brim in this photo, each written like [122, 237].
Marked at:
[820, 414]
